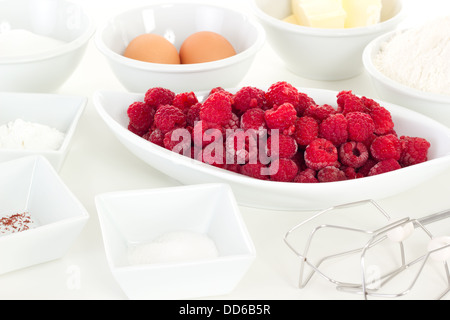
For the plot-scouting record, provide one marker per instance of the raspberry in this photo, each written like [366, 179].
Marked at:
[168, 117]
[306, 131]
[217, 109]
[193, 114]
[184, 101]
[382, 120]
[254, 170]
[159, 96]
[386, 147]
[240, 146]
[353, 154]
[282, 92]
[348, 102]
[370, 104]
[305, 102]
[351, 173]
[306, 176]
[223, 91]
[138, 132]
[321, 153]
[287, 147]
[156, 137]
[335, 129]
[170, 142]
[282, 118]
[253, 119]
[283, 170]
[206, 133]
[213, 155]
[384, 167]
[331, 174]
[140, 115]
[414, 150]
[320, 112]
[249, 98]
[365, 169]
[233, 124]
[360, 126]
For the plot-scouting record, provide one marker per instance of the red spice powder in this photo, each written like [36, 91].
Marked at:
[15, 223]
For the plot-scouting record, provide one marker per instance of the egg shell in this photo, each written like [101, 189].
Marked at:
[205, 46]
[152, 48]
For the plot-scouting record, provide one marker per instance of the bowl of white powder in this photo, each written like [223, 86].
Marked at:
[411, 68]
[38, 124]
[175, 243]
[41, 43]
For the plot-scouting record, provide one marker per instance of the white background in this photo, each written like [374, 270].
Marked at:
[98, 163]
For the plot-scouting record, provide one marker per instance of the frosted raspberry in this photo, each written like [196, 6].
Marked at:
[159, 96]
[253, 119]
[353, 154]
[335, 129]
[184, 101]
[193, 114]
[320, 112]
[305, 102]
[168, 117]
[283, 170]
[321, 153]
[414, 150]
[365, 169]
[331, 174]
[236, 168]
[360, 126]
[233, 124]
[240, 146]
[386, 147]
[156, 137]
[249, 98]
[217, 109]
[139, 132]
[348, 102]
[223, 91]
[205, 133]
[140, 115]
[351, 173]
[282, 118]
[306, 176]
[173, 140]
[384, 167]
[370, 104]
[287, 147]
[213, 154]
[382, 119]
[282, 92]
[306, 131]
[254, 170]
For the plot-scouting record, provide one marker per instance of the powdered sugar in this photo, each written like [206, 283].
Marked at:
[419, 57]
[20, 134]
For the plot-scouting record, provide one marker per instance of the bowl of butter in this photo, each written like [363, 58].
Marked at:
[324, 39]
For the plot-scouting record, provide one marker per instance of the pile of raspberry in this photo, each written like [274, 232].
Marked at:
[318, 143]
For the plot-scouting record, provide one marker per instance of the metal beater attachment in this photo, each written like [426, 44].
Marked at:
[369, 255]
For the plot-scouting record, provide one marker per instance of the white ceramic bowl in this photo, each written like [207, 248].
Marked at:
[433, 105]
[31, 185]
[112, 107]
[55, 111]
[58, 19]
[176, 21]
[130, 218]
[321, 54]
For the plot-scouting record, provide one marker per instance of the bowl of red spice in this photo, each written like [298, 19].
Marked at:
[282, 147]
[39, 218]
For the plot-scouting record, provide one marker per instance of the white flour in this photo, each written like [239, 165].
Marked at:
[21, 134]
[419, 57]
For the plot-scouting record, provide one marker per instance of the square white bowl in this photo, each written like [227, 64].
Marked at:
[31, 184]
[56, 111]
[137, 217]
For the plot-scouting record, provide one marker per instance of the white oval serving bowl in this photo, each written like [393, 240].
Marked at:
[321, 54]
[433, 105]
[176, 20]
[45, 71]
[112, 108]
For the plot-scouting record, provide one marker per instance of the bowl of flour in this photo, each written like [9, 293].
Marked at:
[411, 68]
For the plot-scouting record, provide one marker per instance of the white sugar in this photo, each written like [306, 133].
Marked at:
[173, 247]
[21, 134]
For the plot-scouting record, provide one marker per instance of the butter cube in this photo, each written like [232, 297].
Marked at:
[362, 13]
[319, 13]
[291, 19]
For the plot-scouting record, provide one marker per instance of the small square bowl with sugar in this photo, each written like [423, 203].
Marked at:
[38, 124]
[175, 243]
[40, 218]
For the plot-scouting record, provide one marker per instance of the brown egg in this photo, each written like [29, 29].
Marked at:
[152, 48]
[205, 46]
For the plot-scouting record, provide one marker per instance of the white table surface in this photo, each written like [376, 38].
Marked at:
[98, 163]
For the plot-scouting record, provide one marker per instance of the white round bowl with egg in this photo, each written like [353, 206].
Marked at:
[176, 21]
[64, 30]
[321, 53]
